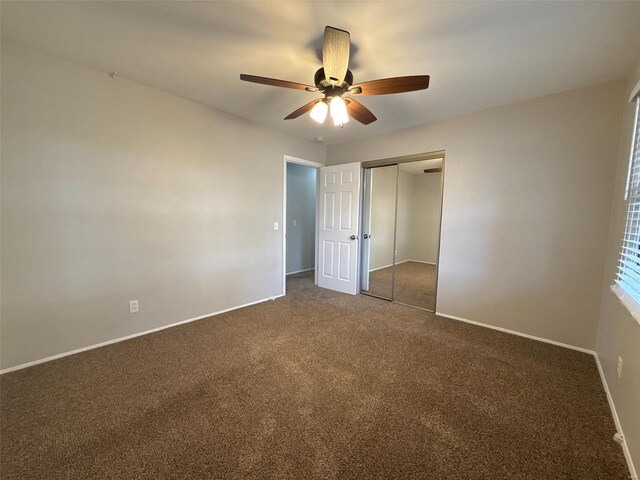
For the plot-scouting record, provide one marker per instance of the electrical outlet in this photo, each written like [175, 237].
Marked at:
[619, 367]
[133, 306]
[294, 223]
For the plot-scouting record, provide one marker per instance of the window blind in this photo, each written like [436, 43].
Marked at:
[628, 275]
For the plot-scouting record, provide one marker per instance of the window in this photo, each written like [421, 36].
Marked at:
[628, 275]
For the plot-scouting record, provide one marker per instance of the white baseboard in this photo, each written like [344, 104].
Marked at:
[614, 413]
[520, 334]
[300, 271]
[134, 335]
[625, 448]
[612, 406]
[380, 268]
[387, 266]
[399, 263]
[420, 261]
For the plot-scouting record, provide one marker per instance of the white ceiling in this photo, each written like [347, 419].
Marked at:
[479, 54]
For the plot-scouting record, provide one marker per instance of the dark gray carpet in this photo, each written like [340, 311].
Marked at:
[315, 385]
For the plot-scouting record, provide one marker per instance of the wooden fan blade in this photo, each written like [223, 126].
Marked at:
[391, 85]
[302, 110]
[335, 54]
[277, 83]
[359, 112]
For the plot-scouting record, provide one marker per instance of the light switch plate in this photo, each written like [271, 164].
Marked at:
[275, 225]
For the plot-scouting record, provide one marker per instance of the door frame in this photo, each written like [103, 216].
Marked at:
[383, 162]
[306, 163]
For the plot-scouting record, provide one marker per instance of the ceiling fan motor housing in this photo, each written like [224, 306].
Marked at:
[321, 82]
[335, 82]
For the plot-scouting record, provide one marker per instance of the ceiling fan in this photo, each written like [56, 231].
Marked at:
[335, 81]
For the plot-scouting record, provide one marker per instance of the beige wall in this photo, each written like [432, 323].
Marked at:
[426, 201]
[619, 333]
[114, 191]
[405, 217]
[527, 199]
[418, 217]
[383, 211]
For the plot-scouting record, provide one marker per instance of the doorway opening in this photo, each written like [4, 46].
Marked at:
[300, 213]
[402, 211]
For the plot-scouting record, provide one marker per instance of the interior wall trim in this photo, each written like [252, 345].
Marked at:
[404, 159]
[128, 337]
[625, 448]
[316, 256]
[520, 334]
[300, 271]
[384, 266]
[387, 266]
[612, 406]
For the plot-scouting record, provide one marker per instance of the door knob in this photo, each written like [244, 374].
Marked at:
[366, 235]
[353, 237]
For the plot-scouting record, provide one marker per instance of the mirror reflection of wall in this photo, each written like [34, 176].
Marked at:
[382, 214]
[402, 220]
[418, 233]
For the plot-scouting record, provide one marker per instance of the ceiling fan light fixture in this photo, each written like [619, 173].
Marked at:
[319, 111]
[338, 111]
[334, 79]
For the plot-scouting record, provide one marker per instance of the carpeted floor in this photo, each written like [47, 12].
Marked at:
[414, 284]
[316, 385]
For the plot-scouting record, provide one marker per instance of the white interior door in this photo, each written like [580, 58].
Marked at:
[339, 198]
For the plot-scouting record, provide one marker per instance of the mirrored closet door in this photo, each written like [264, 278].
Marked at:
[379, 219]
[401, 231]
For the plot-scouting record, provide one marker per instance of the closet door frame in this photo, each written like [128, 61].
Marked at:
[365, 246]
[385, 162]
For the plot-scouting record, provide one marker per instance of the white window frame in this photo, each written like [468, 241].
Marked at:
[628, 295]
